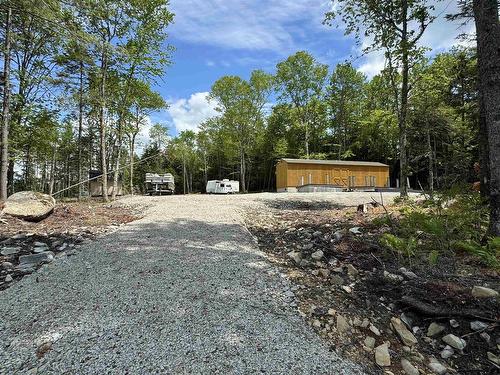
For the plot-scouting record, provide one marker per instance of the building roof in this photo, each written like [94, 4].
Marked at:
[335, 162]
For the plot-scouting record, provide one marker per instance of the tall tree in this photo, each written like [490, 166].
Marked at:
[300, 79]
[5, 107]
[396, 26]
[486, 16]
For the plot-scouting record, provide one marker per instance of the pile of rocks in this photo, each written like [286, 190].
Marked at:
[24, 253]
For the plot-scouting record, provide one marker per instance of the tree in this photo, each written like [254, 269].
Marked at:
[300, 78]
[345, 96]
[486, 16]
[241, 106]
[396, 26]
[5, 108]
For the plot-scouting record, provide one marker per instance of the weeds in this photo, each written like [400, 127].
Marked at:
[443, 225]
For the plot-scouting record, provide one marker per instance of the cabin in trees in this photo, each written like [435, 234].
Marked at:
[294, 175]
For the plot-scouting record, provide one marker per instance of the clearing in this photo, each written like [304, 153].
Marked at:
[184, 289]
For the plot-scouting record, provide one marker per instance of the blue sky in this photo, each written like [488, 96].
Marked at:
[214, 38]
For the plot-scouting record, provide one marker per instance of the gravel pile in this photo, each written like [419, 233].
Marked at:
[183, 290]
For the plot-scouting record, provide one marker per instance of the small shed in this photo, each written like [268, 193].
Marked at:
[294, 175]
[95, 184]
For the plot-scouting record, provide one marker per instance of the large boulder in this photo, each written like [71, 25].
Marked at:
[29, 205]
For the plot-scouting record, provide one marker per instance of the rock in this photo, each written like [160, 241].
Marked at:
[342, 324]
[33, 260]
[437, 367]
[476, 325]
[324, 272]
[369, 342]
[365, 323]
[8, 279]
[338, 235]
[38, 250]
[351, 270]
[347, 289]
[447, 352]
[364, 208]
[409, 275]
[454, 323]
[485, 337]
[317, 255]
[406, 320]
[62, 247]
[374, 329]
[39, 244]
[382, 356]
[483, 292]
[317, 234]
[434, 329]
[7, 265]
[393, 277]
[19, 236]
[355, 230]
[404, 334]
[29, 205]
[308, 246]
[316, 323]
[493, 358]
[408, 368]
[6, 251]
[357, 322]
[332, 312]
[454, 341]
[295, 255]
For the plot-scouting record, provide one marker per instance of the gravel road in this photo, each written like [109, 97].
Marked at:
[182, 291]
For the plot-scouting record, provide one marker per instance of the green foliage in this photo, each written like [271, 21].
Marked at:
[447, 223]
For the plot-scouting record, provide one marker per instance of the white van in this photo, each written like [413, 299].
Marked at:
[223, 187]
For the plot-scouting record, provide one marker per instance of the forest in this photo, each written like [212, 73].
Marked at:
[79, 85]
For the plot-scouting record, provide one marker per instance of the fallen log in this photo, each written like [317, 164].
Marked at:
[431, 310]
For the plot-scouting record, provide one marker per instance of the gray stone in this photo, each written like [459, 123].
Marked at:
[382, 356]
[369, 342]
[6, 251]
[355, 230]
[38, 250]
[406, 320]
[408, 368]
[485, 337]
[447, 352]
[26, 261]
[483, 292]
[435, 329]
[7, 265]
[342, 324]
[351, 270]
[39, 244]
[317, 234]
[404, 334]
[347, 288]
[295, 255]
[8, 279]
[493, 358]
[454, 341]
[308, 246]
[19, 236]
[477, 325]
[454, 323]
[393, 277]
[29, 205]
[338, 235]
[437, 367]
[317, 255]
[374, 329]
[62, 247]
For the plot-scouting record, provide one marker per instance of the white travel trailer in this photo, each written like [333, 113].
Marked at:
[223, 187]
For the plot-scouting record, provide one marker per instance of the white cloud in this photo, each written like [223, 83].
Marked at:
[246, 24]
[188, 114]
[440, 36]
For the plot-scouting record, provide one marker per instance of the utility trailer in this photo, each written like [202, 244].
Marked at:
[159, 183]
[223, 187]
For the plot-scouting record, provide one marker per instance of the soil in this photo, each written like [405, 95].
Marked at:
[70, 225]
[440, 293]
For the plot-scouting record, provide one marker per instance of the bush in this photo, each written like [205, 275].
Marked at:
[447, 223]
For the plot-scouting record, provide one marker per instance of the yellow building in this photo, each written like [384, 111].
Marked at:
[321, 175]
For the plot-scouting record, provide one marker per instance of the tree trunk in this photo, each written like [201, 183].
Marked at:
[484, 153]
[403, 160]
[184, 174]
[5, 110]
[431, 163]
[132, 148]
[80, 130]
[242, 169]
[102, 125]
[488, 52]
[52, 170]
[118, 157]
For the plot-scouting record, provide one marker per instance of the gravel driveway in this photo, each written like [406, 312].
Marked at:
[182, 291]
